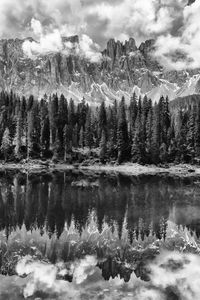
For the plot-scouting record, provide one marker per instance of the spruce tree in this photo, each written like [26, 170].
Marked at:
[30, 125]
[156, 134]
[172, 143]
[182, 149]
[44, 127]
[149, 133]
[82, 138]
[102, 119]
[62, 119]
[133, 114]
[112, 133]
[197, 133]
[191, 133]
[138, 144]
[18, 135]
[6, 143]
[122, 134]
[67, 141]
[103, 147]
[89, 130]
[75, 136]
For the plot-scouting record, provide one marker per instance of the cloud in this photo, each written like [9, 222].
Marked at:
[43, 276]
[140, 19]
[89, 49]
[53, 42]
[182, 51]
[137, 18]
[177, 271]
[171, 275]
[167, 21]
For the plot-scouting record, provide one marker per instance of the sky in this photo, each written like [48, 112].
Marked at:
[172, 23]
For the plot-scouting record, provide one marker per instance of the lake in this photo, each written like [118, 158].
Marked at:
[76, 235]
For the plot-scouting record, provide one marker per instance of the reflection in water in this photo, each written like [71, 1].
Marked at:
[172, 276]
[118, 219]
[49, 203]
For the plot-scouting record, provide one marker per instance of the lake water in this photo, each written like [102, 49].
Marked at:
[75, 235]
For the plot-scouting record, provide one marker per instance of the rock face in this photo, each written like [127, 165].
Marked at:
[123, 69]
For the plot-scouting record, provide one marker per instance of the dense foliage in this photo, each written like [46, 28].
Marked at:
[56, 128]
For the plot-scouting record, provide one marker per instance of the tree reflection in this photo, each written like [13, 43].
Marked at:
[141, 206]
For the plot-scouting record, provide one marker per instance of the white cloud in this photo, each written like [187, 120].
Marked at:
[178, 270]
[168, 21]
[47, 43]
[188, 42]
[53, 42]
[42, 276]
[36, 26]
[89, 49]
[175, 271]
[140, 19]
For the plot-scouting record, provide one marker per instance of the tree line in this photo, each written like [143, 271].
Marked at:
[55, 128]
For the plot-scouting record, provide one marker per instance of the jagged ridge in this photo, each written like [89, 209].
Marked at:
[124, 68]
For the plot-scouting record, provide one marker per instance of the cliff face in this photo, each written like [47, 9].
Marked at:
[124, 68]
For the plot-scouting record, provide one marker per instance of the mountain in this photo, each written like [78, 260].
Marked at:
[123, 69]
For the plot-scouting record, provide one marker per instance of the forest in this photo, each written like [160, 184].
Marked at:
[58, 129]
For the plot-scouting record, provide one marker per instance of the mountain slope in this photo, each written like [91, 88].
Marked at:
[124, 68]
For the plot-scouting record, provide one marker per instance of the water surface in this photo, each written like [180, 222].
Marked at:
[111, 226]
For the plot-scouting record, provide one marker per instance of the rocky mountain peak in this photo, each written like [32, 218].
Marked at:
[147, 46]
[130, 46]
[122, 69]
[72, 39]
[117, 48]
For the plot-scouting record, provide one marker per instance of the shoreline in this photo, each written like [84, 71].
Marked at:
[129, 169]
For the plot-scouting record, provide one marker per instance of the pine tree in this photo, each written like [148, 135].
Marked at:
[6, 143]
[182, 149]
[75, 136]
[172, 143]
[82, 138]
[67, 141]
[103, 147]
[18, 135]
[197, 133]
[44, 127]
[138, 145]
[62, 119]
[88, 130]
[82, 113]
[53, 119]
[122, 134]
[30, 125]
[71, 114]
[56, 147]
[167, 121]
[115, 121]
[149, 132]
[112, 133]
[156, 135]
[145, 110]
[133, 115]
[102, 119]
[191, 132]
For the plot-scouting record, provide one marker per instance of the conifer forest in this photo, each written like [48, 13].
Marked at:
[59, 129]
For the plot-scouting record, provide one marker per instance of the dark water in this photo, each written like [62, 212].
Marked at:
[50, 202]
[111, 221]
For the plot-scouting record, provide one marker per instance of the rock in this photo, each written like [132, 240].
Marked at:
[122, 67]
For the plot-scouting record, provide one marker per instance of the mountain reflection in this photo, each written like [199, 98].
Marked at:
[50, 202]
[118, 219]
